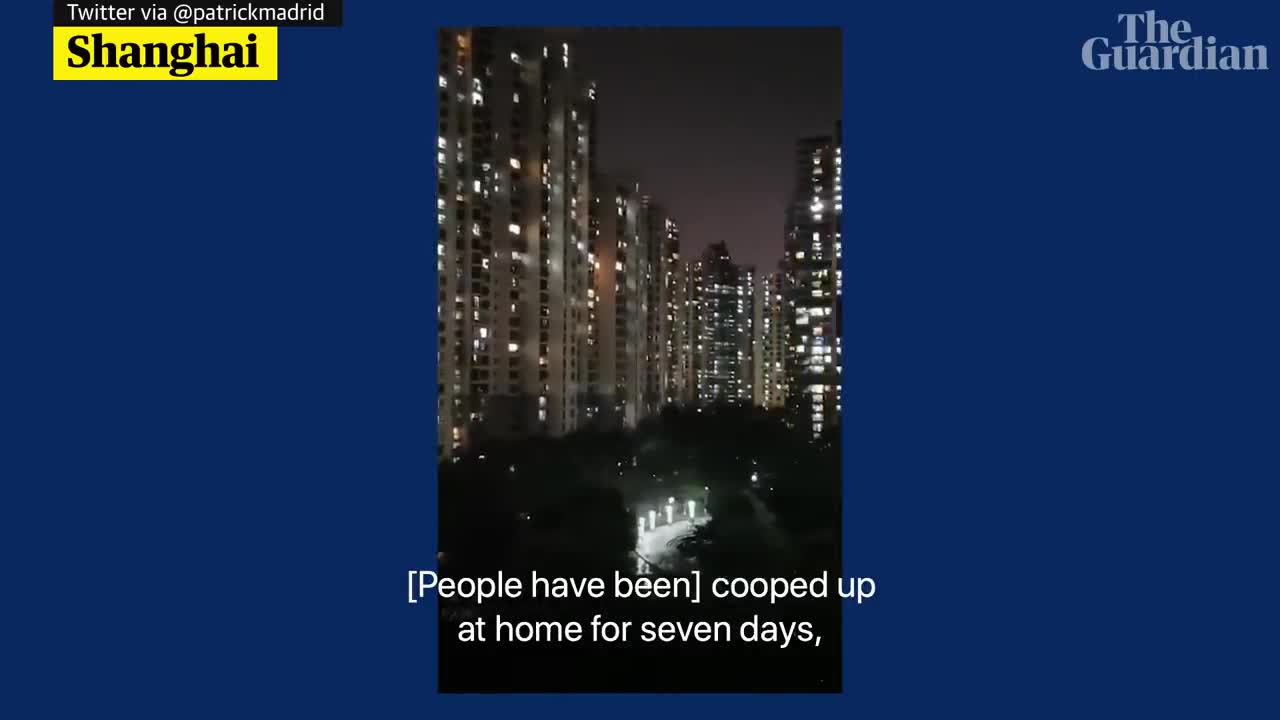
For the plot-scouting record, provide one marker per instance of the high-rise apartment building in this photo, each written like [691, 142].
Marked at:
[515, 151]
[687, 331]
[814, 285]
[621, 295]
[664, 333]
[635, 304]
[770, 342]
[722, 297]
[674, 350]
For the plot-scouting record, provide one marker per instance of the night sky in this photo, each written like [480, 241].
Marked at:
[706, 120]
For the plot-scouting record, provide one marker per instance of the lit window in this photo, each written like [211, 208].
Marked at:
[513, 347]
[514, 228]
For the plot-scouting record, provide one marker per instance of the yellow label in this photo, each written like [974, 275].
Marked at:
[164, 53]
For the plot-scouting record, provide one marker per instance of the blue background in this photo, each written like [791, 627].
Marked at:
[1061, 404]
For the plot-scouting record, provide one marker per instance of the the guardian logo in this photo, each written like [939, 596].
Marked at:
[1153, 44]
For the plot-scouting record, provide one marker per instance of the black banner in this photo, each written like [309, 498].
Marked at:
[198, 13]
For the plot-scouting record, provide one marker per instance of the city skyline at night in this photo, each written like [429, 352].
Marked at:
[572, 295]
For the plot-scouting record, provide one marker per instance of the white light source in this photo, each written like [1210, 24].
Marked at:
[692, 504]
[671, 509]
[653, 518]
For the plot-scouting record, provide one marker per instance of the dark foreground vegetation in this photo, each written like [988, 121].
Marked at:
[568, 507]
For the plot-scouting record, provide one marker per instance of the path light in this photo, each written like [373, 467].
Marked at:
[671, 509]
[691, 506]
[653, 519]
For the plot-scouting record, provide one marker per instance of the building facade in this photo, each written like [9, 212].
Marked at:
[769, 344]
[721, 320]
[814, 286]
[620, 297]
[515, 152]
